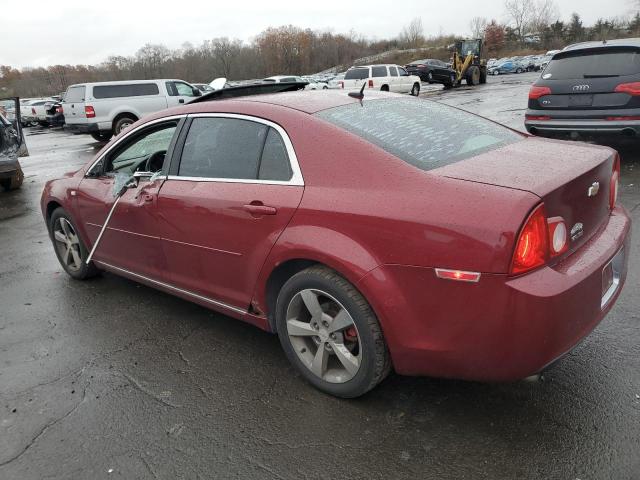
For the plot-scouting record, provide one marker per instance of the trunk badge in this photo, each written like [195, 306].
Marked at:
[576, 231]
[593, 189]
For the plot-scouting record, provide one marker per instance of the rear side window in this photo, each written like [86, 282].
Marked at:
[393, 71]
[379, 71]
[130, 90]
[357, 74]
[425, 134]
[274, 164]
[75, 94]
[614, 63]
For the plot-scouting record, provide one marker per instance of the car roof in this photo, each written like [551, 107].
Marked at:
[126, 82]
[307, 101]
[618, 42]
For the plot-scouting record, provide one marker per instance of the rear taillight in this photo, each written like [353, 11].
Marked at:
[622, 118]
[615, 180]
[89, 111]
[370, 83]
[532, 246]
[59, 109]
[341, 84]
[33, 111]
[557, 236]
[537, 92]
[537, 117]
[632, 88]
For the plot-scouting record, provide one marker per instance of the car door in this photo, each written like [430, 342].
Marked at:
[73, 105]
[404, 81]
[131, 240]
[394, 79]
[228, 197]
[180, 93]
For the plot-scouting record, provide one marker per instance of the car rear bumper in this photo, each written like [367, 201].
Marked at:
[501, 328]
[567, 124]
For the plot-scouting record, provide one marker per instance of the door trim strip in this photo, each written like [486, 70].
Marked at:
[171, 287]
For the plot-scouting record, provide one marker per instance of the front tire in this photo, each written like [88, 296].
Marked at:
[330, 333]
[70, 249]
[14, 182]
[101, 136]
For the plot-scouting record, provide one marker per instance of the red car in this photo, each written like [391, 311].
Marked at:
[369, 234]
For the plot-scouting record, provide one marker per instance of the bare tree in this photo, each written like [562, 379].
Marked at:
[545, 12]
[520, 13]
[478, 26]
[412, 35]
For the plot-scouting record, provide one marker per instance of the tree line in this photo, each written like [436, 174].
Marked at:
[532, 25]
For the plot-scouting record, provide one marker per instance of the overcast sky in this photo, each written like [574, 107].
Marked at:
[45, 32]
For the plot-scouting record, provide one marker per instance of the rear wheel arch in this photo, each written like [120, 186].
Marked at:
[384, 88]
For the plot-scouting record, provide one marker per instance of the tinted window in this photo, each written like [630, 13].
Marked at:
[402, 72]
[585, 65]
[131, 90]
[134, 155]
[223, 148]
[274, 164]
[423, 133]
[393, 71]
[357, 74]
[74, 94]
[379, 71]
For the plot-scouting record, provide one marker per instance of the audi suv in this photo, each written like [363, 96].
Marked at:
[588, 88]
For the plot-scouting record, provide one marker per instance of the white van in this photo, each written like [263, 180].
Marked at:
[104, 109]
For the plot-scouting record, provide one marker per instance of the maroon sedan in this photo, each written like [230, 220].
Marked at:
[391, 232]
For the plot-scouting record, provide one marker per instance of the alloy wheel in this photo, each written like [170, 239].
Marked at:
[324, 336]
[67, 244]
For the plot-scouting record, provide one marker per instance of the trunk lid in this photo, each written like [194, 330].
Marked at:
[572, 179]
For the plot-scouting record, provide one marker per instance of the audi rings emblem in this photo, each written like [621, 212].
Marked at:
[581, 88]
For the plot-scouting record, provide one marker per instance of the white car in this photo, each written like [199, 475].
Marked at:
[388, 78]
[335, 81]
[104, 109]
[291, 78]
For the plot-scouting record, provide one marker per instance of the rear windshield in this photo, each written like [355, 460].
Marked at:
[614, 63]
[357, 74]
[131, 90]
[74, 94]
[423, 133]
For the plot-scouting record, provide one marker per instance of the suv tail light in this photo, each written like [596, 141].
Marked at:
[615, 179]
[370, 83]
[341, 84]
[632, 88]
[89, 111]
[537, 92]
[59, 109]
[33, 111]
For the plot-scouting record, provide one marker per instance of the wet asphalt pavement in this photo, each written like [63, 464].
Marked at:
[109, 379]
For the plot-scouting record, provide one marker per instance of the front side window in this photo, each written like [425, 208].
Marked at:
[144, 153]
[425, 134]
[378, 71]
[403, 72]
[236, 149]
[184, 90]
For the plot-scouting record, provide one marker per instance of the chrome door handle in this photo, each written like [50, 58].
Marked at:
[260, 209]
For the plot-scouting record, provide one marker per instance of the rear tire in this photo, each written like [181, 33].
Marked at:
[384, 88]
[122, 123]
[483, 76]
[101, 136]
[351, 362]
[14, 182]
[415, 90]
[69, 247]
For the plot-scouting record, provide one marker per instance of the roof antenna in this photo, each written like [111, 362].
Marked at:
[359, 95]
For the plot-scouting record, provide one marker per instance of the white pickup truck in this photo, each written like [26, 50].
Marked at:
[388, 78]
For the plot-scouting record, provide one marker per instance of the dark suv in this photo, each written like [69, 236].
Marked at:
[588, 88]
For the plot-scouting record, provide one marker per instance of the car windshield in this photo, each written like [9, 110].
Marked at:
[614, 63]
[357, 74]
[423, 133]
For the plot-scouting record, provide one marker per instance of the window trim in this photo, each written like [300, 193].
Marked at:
[136, 130]
[296, 178]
